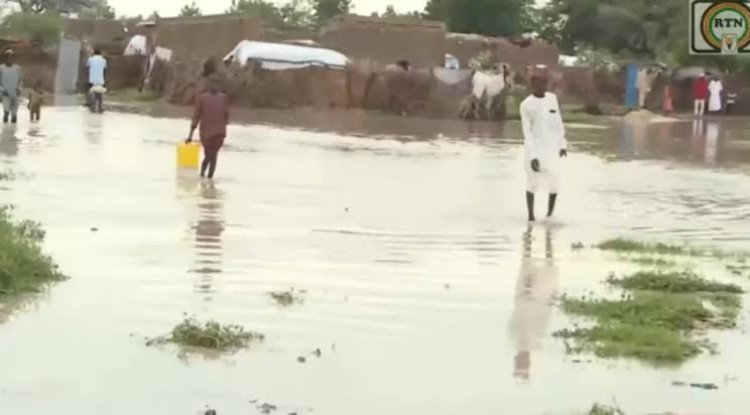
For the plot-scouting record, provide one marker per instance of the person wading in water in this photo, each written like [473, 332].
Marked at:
[212, 115]
[544, 140]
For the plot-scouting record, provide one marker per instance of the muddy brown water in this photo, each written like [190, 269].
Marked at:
[426, 291]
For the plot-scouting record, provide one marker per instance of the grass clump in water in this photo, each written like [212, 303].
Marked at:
[650, 261]
[629, 245]
[673, 282]
[23, 266]
[208, 335]
[287, 298]
[655, 319]
[599, 409]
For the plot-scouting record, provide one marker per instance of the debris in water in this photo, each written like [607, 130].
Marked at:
[210, 412]
[287, 298]
[208, 335]
[317, 353]
[267, 408]
[577, 246]
[94, 229]
[706, 386]
[599, 409]
[301, 359]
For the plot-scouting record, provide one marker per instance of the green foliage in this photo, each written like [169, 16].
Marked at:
[190, 10]
[673, 282]
[208, 335]
[327, 9]
[654, 319]
[295, 14]
[44, 28]
[97, 9]
[23, 266]
[485, 17]
[629, 245]
[65, 6]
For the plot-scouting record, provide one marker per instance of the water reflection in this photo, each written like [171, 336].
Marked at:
[535, 289]
[208, 231]
[9, 141]
[712, 142]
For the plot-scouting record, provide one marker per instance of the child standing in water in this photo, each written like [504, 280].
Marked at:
[36, 99]
[212, 115]
[668, 102]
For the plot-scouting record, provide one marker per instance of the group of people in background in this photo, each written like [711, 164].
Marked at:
[11, 87]
[708, 96]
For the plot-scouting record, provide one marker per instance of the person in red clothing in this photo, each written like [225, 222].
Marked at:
[700, 94]
[212, 115]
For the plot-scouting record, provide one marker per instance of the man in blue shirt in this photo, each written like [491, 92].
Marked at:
[97, 69]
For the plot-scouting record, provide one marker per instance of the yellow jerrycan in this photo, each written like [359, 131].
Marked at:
[188, 154]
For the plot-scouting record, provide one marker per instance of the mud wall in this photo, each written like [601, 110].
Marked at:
[402, 93]
[386, 41]
[207, 36]
[466, 47]
[254, 87]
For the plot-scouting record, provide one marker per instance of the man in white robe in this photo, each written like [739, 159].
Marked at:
[544, 141]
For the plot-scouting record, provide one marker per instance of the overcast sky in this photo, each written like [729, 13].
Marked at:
[172, 7]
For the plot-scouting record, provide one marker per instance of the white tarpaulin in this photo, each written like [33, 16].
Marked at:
[278, 56]
[136, 46]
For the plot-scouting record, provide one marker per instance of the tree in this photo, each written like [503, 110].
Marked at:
[327, 9]
[190, 10]
[61, 6]
[295, 14]
[97, 9]
[390, 11]
[264, 10]
[485, 17]
[154, 16]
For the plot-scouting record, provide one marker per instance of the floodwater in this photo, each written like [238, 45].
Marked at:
[427, 293]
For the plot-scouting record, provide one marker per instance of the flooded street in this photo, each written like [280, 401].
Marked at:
[427, 293]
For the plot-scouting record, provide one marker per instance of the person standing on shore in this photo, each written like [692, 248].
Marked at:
[700, 94]
[11, 79]
[544, 140]
[212, 115]
[97, 79]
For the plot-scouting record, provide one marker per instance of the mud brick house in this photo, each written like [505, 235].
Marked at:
[466, 46]
[207, 35]
[385, 41]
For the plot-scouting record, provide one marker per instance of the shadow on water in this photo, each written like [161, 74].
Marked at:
[537, 282]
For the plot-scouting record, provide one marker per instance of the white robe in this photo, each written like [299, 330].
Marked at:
[714, 90]
[543, 138]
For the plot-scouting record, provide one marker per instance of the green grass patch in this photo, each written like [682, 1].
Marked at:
[208, 335]
[673, 282]
[287, 298]
[650, 261]
[629, 245]
[656, 318]
[24, 267]
[623, 245]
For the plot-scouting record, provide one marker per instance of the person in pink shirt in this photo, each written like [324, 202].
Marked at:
[700, 94]
[212, 115]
